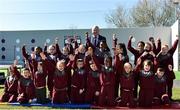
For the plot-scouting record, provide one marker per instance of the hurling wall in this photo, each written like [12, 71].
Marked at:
[11, 42]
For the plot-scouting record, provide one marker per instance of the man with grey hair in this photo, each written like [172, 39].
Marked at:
[96, 38]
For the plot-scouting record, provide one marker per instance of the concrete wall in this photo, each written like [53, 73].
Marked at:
[15, 39]
[175, 31]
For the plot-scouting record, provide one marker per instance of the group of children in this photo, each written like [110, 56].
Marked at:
[86, 73]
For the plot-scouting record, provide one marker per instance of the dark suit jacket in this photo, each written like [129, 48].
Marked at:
[100, 38]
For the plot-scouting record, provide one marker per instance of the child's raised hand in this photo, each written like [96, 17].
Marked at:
[68, 40]
[71, 57]
[76, 51]
[114, 36]
[152, 53]
[130, 37]
[24, 45]
[177, 37]
[170, 67]
[33, 55]
[86, 34]
[26, 62]
[120, 57]
[43, 56]
[151, 39]
[90, 51]
[56, 40]
[15, 62]
[75, 38]
[158, 39]
[45, 44]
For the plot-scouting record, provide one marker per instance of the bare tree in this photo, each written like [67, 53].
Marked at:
[119, 17]
[144, 13]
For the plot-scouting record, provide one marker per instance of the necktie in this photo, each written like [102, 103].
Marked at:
[95, 41]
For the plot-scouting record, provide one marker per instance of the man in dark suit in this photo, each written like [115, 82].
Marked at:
[96, 38]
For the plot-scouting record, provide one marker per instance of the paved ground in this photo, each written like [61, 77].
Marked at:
[176, 84]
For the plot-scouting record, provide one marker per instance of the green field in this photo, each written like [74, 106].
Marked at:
[177, 73]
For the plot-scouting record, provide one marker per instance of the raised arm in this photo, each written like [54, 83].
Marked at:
[130, 48]
[138, 66]
[75, 43]
[71, 61]
[74, 65]
[171, 72]
[173, 48]
[29, 65]
[45, 47]
[33, 65]
[46, 64]
[95, 60]
[155, 65]
[24, 53]
[118, 63]
[71, 51]
[59, 53]
[14, 69]
[86, 61]
[114, 43]
[151, 39]
[158, 49]
[88, 42]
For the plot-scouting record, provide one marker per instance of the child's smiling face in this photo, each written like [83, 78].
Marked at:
[127, 67]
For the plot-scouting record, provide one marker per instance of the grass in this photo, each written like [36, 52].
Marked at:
[176, 96]
[6, 106]
[11, 107]
[176, 93]
[4, 71]
[177, 73]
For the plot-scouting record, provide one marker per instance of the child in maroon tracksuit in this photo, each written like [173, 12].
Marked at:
[119, 48]
[165, 58]
[78, 80]
[137, 53]
[155, 49]
[126, 81]
[146, 83]
[93, 82]
[39, 74]
[26, 89]
[160, 88]
[10, 87]
[37, 51]
[100, 52]
[148, 54]
[52, 55]
[107, 81]
[60, 80]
